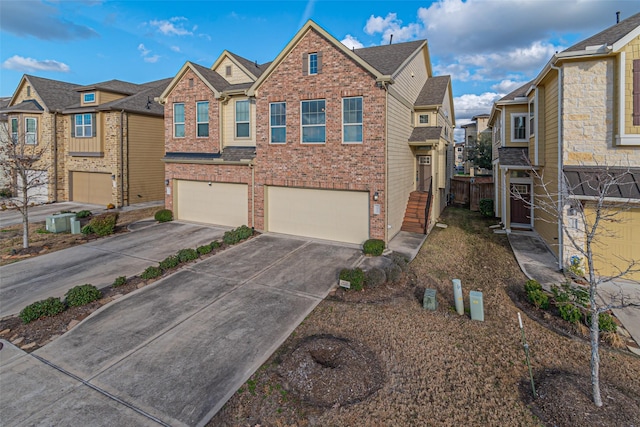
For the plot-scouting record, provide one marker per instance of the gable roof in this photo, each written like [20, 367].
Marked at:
[142, 102]
[114, 86]
[211, 78]
[610, 36]
[55, 95]
[251, 66]
[425, 133]
[433, 91]
[26, 106]
[520, 92]
[387, 59]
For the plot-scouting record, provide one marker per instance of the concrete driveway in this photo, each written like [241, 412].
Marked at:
[41, 212]
[98, 262]
[174, 352]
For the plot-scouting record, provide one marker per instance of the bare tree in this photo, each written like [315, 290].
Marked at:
[590, 200]
[24, 164]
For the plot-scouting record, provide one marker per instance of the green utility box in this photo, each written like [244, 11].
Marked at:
[59, 223]
[430, 302]
[477, 306]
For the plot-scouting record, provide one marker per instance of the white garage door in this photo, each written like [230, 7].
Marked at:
[37, 186]
[218, 203]
[325, 214]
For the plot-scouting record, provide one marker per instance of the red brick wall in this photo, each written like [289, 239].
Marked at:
[189, 94]
[332, 165]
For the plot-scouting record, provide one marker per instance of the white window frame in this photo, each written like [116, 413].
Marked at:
[354, 124]
[532, 117]
[80, 130]
[199, 120]
[315, 125]
[420, 116]
[313, 59]
[525, 117]
[176, 123]
[30, 138]
[89, 98]
[238, 122]
[279, 126]
[14, 125]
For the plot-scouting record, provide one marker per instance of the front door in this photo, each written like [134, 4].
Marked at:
[520, 203]
[424, 173]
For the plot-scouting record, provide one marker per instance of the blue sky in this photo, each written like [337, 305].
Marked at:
[489, 47]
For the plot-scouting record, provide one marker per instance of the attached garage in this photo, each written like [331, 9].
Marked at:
[212, 203]
[91, 187]
[325, 214]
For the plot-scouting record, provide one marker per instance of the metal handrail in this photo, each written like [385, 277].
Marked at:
[427, 208]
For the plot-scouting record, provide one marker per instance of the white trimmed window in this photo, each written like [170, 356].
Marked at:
[14, 130]
[242, 119]
[423, 119]
[532, 117]
[178, 120]
[83, 126]
[519, 127]
[352, 120]
[278, 122]
[202, 119]
[31, 130]
[312, 119]
[313, 63]
[89, 98]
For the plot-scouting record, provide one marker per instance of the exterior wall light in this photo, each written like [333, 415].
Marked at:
[375, 196]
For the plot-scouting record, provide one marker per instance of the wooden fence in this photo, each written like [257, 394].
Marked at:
[467, 191]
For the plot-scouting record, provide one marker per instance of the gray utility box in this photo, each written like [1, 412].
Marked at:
[75, 226]
[477, 306]
[59, 223]
[430, 302]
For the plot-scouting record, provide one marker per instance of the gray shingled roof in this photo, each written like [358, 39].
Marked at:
[424, 133]
[55, 95]
[608, 36]
[517, 93]
[588, 181]
[115, 86]
[433, 91]
[251, 65]
[230, 154]
[29, 106]
[142, 102]
[215, 79]
[388, 58]
[3, 104]
[513, 156]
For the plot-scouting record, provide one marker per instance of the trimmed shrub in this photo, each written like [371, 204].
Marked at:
[81, 295]
[163, 215]
[570, 312]
[532, 285]
[104, 224]
[83, 214]
[606, 322]
[236, 235]
[538, 298]
[86, 229]
[374, 277]
[151, 273]
[393, 272]
[204, 249]
[120, 280]
[373, 247]
[354, 276]
[186, 255]
[169, 262]
[486, 207]
[44, 308]
[215, 244]
[400, 260]
[244, 232]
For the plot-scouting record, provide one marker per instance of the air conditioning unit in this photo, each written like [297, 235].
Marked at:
[424, 160]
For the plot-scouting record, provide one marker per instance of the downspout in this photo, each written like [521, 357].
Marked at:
[560, 173]
[386, 166]
[253, 196]
[122, 158]
[55, 156]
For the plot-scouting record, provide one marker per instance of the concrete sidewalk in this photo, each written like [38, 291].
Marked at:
[537, 262]
[174, 352]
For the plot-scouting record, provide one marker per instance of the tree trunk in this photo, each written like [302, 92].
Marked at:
[595, 355]
[25, 218]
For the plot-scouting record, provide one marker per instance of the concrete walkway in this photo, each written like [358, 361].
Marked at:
[174, 352]
[539, 263]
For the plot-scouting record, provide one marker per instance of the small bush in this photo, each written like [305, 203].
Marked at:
[164, 215]
[81, 295]
[486, 207]
[170, 262]
[104, 224]
[532, 285]
[606, 322]
[400, 260]
[83, 214]
[237, 235]
[215, 244]
[151, 273]
[538, 298]
[186, 255]
[204, 249]
[120, 280]
[354, 276]
[43, 231]
[5, 192]
[568, 293]
[244, 232]
[374, 277]
[570, 312]
[86, 229]
[373, 247]
[393, 272]
[44, 308]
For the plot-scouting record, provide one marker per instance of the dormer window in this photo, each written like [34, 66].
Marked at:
[89, 98]
[423, 119]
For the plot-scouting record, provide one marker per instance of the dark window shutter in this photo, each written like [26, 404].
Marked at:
[93, 124]
[305, 64]
[636, 92]
[319, 62]
[73, 126]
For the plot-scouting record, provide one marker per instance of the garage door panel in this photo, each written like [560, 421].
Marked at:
[218, 203]
[91, 187]
[617, 243]
[325, 214]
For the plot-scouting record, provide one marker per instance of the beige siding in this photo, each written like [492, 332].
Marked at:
[229, 124]
[146, 148]
[237, 74]
[410, 79]
[87, 145]
[400, 161]
[632, 51]
[515, 109]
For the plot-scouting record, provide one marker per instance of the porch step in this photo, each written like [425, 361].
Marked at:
[414, 216]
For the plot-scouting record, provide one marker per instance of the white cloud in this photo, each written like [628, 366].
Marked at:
[19, 63]
[392, 26]
[171, 27]
[175, 48]
[506, 86]
[146, 54]
[152, 59]
[469, 105]
[351, 42]
[143, 50]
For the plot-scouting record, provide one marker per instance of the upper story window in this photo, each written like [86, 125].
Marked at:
[352, 120]
[227, 70]
[202, 119]
[636, 92]
[312, 119]
[14, 130]
[242, 119]
[89, 98]
[178, 120]
[519, 127]
[31, 130]
[423, 119]
[532, 117]
[83, 126]
[312, 63]
[278, 122]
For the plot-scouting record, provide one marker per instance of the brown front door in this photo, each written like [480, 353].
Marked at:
[520, 203]
[424, 173]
